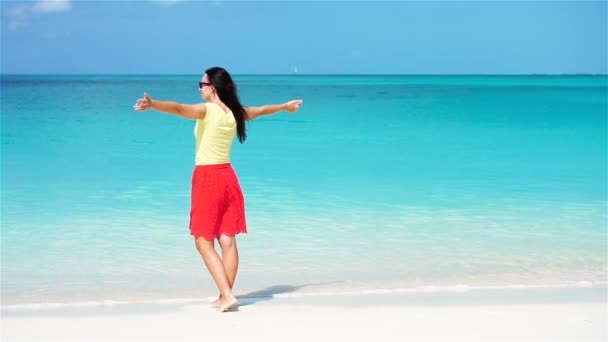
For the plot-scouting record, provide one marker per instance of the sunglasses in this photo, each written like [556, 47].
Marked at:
[202, 84]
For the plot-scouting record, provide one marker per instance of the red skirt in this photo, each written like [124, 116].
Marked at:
[217, 203]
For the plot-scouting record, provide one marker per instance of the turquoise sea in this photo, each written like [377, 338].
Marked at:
[378, 183]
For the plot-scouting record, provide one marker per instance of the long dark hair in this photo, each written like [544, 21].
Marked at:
[227, 92]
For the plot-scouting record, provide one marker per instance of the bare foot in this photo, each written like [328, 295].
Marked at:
[216, 303]
[227, 303]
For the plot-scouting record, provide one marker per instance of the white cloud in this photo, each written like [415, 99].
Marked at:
[50, 35]
[14, 24]
[48, 6]
[19, 16]
[168, 2]
[18, 11]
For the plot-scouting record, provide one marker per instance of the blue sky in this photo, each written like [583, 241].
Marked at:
[348, 37]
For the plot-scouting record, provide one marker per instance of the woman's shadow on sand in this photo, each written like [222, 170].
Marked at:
[269, 293]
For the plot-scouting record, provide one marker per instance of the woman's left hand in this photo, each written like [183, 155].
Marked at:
[293, 105]
[143, 104]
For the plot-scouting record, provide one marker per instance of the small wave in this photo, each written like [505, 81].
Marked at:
[444, 289]
[102, 303]
[459, 288]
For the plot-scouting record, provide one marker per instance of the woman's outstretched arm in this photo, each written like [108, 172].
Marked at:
[192, 112]
[256, 112]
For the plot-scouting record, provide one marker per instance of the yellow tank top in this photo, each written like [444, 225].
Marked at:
[214, 135]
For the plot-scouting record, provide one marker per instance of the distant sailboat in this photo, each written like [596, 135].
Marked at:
[295, 70]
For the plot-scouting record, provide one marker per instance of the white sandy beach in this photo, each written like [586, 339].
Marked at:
[372, 317]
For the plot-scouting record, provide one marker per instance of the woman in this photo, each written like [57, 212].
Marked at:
[217, 203]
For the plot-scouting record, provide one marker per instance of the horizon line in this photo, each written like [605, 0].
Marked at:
[301, 74]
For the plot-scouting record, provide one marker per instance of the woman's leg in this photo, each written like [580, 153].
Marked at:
[216, 268]
[230, 257]
[230, 260]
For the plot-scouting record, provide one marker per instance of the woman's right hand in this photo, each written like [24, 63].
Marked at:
[293, 105]
[143, 104]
